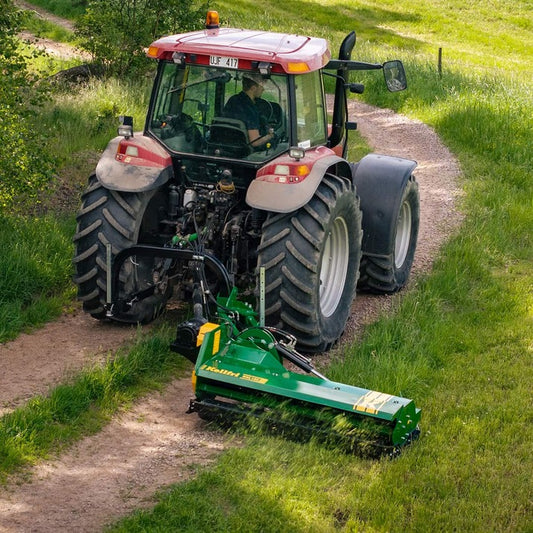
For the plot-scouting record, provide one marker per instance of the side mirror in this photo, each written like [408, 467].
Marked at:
[394, 76]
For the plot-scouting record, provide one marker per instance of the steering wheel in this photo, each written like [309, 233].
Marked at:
[272, 114]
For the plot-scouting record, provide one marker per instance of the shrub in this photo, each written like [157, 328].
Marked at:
[25, 165]
[116, 32]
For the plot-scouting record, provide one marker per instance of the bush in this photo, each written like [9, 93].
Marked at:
[25, 165]
[116, 32]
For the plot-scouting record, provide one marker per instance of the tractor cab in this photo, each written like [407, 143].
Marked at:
[203, 110]
[238, 94]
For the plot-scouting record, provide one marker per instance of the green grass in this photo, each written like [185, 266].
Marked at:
[464, 353]
[42, 64]
[43, 28]
[481, 35]
[62, 8]
[35, 267]
[37, 252]
[88, 118]
[460, 343]
[72, 410]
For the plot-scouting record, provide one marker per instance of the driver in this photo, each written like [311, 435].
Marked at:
[243, 106]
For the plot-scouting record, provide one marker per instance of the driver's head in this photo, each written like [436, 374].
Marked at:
[253, 81]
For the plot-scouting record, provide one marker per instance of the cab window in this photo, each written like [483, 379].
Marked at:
[189, 111]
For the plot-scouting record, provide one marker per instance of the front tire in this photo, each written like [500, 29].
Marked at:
[122, 220]
[311, 260]
[389, 272]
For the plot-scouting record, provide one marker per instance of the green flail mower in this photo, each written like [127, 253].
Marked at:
[247, 372]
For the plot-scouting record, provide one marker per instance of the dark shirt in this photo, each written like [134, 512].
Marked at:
[241, 107]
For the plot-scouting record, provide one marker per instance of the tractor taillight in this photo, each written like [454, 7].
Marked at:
[212, 20]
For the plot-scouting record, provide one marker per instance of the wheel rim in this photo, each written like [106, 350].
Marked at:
[403, 235]
[334, 267]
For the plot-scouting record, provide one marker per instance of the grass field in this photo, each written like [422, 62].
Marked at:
[460, 343]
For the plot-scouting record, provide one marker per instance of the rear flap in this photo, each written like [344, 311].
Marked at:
[379, 181]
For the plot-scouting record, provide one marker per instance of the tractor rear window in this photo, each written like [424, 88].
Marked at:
[200, 109]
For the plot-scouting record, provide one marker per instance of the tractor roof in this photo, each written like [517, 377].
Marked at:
[293, 53]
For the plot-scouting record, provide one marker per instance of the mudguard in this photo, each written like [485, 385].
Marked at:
[380, 181]
[277, 193]
[135, 164]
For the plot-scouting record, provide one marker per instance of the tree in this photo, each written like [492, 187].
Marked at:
[116, 32]
[25, 165]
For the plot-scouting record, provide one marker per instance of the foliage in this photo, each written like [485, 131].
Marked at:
[24, 165]
[116, 32]
[35, 263]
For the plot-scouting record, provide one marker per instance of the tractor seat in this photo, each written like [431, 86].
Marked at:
[228, 137]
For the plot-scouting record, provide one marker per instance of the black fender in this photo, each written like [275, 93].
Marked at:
[286, 198]
[122, 172]
[380, 181]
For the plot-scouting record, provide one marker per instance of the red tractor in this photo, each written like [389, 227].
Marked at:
[272, 199]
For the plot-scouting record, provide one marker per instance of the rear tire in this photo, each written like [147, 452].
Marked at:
[311, 260]
[117, 218]
[389, 272]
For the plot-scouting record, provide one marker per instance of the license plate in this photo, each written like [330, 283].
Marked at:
[225, 62]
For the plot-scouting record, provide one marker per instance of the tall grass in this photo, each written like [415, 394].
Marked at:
[35, 267]
[43, 28]
[63, 8]
[86, 119]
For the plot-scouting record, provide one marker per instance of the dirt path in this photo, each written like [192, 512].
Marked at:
[114, 472]
[108, 475]
[62, 50]
[42, 13]
[437, 173]
[35, 362]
